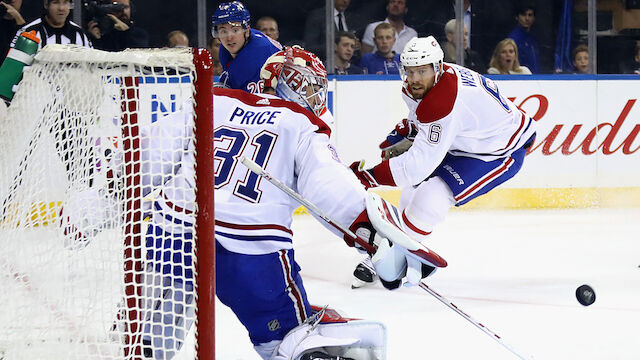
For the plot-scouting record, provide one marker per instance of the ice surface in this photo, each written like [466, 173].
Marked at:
[514, 271]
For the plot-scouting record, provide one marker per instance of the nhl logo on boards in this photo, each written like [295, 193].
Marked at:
[274, 325]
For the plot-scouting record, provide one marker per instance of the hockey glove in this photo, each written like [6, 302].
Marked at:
[362, 227]
[366, 177]
[399, 139]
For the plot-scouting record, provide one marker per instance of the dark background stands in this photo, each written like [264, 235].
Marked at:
[9, 26]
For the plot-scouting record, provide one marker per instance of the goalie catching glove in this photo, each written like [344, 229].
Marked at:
[399, 139]
[397, 255]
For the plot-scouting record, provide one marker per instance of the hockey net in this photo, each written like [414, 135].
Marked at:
[106, 207]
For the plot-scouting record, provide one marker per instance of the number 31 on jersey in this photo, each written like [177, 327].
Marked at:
[230, 144]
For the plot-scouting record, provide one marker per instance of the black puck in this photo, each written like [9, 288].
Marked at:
[585, 295]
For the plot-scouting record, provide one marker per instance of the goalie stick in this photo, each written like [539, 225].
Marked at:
[475, 323]
[414, 248]
[315, 210]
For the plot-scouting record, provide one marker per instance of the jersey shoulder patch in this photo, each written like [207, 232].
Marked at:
[439, 101]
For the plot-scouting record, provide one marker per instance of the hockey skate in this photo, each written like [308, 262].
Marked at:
[364, 274]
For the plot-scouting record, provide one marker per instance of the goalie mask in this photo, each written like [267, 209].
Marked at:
[297, 75]
[422, 51]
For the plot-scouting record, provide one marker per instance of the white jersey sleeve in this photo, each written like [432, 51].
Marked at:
[327, 183]
[166, 169]
[464, 114]
[168, 165]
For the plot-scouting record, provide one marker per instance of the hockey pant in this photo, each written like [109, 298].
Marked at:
[169, 287]
[455, 182]
[264, 291]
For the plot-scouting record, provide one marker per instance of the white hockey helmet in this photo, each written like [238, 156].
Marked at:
[423, 51]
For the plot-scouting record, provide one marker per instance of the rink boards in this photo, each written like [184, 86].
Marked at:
[586, 153]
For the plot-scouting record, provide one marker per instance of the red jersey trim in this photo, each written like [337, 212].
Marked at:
[411, 226]
[382, 174]
[513, 137]
[438, 102]
[475, 187]
[292, 287]
[254, 100]
[175, 207]
[254, 227]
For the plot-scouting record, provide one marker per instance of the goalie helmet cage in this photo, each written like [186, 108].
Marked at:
[106, 245]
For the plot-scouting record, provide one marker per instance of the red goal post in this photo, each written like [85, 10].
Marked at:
[106, 238]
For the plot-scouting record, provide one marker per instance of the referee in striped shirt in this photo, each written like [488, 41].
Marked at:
[54, 26]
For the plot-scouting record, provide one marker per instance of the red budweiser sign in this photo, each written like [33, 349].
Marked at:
[615, 140]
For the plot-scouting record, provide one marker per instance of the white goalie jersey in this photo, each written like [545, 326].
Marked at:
[252, 215]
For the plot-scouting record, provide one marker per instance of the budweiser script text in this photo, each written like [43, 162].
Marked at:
[579, 139]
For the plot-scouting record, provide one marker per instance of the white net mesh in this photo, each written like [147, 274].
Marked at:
[97, 206]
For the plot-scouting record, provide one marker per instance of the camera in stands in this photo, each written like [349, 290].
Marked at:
[97, 10]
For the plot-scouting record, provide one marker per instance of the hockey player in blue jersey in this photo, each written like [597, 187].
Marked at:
[243, 50]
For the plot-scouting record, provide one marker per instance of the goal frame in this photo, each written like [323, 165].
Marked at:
[205, 220]
[48, 211]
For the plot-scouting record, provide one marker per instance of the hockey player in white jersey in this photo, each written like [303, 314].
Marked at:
[256, 272]
[257, 275]
[462, 138]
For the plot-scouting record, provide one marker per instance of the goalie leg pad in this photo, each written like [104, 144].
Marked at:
[348, 338]
[390, 263]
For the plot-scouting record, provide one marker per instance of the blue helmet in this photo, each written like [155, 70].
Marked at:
[230, 12]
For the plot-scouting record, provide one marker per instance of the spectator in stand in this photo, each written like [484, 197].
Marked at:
[633, 66]
[384, 60]
[268, 26]
[526, 41]
[345, 46]
[177, 39]
[472, 59]
[314, 28]
[213, 45]
[637, 60]
[54, 27]
[10, 22]
[505, 60]
[396, 11]
[429, 17]
[122, 35]
[243, 50]
[580, 56]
